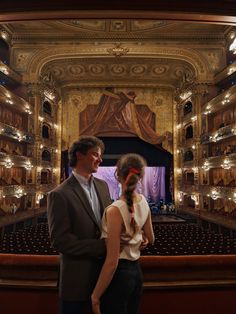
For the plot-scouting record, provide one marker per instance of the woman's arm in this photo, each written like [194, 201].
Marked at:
[114, 227]
[148, 229]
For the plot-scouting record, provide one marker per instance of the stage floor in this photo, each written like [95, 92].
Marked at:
[167, 219]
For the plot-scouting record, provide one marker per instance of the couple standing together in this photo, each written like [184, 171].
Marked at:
[99, 242]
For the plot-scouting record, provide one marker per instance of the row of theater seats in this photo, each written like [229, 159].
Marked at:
[188, 239]
[30, 240]
[171, 239]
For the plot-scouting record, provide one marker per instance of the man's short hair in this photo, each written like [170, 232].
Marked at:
[83, 144]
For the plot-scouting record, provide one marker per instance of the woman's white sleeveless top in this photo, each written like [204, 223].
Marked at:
[129, 240]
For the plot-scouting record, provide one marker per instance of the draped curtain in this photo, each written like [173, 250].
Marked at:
[152, 186]
[117, 115]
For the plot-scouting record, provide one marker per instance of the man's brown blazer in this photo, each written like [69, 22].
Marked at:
[75, 234]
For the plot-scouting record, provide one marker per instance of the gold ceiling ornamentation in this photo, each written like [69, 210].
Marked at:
[118, 51]
[93, 70]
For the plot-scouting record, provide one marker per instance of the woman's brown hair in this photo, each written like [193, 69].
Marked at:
[130, 169]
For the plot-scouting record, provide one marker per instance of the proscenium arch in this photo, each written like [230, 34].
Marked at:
[40, 58]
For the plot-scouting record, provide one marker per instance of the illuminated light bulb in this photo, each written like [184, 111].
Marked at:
[232, 47]
[206, 166]
[8, 163]
[234, 198]
[19, 193]
[179, 170]
[28, 165]
[214, 194]
[226, 164]
[185, 95]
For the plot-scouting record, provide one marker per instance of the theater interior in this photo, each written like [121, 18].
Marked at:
[154, 78]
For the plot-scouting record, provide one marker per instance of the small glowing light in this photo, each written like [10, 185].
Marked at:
[231, 70]
[226, 164]
[178, 126]
[179, 170]
[8, 163]
[39, 197]
[214, 194]
[206, 166]
[185, 95]
[41, 118]
[9, 101]
[194, 198]
[41, 146]
[19, 136]
[4, 70]
[232, 47]
[232, 35]
[49, 94]
[180, 196]
[194, 118]
[234, 198]
[4, 34]
[28, 165]
[193, 146]
[19, 193]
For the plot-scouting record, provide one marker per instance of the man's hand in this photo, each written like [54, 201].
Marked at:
[144, 242]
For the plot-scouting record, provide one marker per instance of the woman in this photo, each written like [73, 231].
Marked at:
[124, 225]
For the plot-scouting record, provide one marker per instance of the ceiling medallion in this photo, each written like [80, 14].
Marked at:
[118, 51]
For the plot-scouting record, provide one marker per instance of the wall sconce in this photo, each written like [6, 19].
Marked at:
[28, 165]
[226, 164]
[178, 170]
[8, 163]
[206, 166]
[180, 196]
[19, 193]
[195, 199]
[214, 195]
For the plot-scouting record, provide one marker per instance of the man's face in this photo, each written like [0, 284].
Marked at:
[90, 162]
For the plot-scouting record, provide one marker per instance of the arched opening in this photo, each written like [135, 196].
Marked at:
[189, 132]
[188, 107]
[45, 131]
[47, 108]
[46, 155]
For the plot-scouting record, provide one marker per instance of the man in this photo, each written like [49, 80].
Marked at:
[74, 216]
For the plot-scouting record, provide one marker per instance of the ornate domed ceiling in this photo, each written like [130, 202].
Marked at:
[117, 51]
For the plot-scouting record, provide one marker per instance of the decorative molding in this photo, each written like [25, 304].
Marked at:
[118, 51]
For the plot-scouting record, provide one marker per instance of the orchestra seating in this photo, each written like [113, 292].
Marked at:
[171, 239]
[187, 270]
